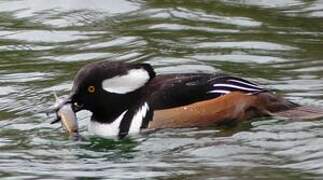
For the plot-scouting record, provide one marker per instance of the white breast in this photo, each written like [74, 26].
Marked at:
[112, 129]
[106, 129]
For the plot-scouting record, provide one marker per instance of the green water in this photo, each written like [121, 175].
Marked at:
[43, 43]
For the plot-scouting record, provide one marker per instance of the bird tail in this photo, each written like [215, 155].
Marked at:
[301, 113]
[279, 107]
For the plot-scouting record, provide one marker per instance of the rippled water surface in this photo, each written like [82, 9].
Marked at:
[278, 43]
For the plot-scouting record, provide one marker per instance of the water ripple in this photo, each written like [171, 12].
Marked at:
[43, 43]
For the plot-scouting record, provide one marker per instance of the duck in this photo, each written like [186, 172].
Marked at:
[128, 98]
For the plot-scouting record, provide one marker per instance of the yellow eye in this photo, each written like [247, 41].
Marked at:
[91, 89]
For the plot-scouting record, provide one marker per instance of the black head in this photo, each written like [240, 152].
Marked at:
[108, 88]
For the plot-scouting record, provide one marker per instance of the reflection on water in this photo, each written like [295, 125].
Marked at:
[43, 43]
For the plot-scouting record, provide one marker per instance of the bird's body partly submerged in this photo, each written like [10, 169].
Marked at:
[125, 98]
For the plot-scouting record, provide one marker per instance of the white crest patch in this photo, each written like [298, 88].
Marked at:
[106, 129]
[138, 118]
[133, 80]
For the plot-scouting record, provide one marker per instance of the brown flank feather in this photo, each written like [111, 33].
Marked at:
[233, 107]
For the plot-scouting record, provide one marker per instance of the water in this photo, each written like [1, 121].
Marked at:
[43, 43]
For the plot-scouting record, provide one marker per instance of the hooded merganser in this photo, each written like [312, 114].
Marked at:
[125, 98]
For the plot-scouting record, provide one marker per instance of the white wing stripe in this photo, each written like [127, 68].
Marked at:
[245, 83]
[236, 87]
[220, 91]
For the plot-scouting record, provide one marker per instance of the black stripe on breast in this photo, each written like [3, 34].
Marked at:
[125, 124]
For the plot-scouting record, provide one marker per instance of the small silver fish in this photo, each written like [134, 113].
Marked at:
[66, 116]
